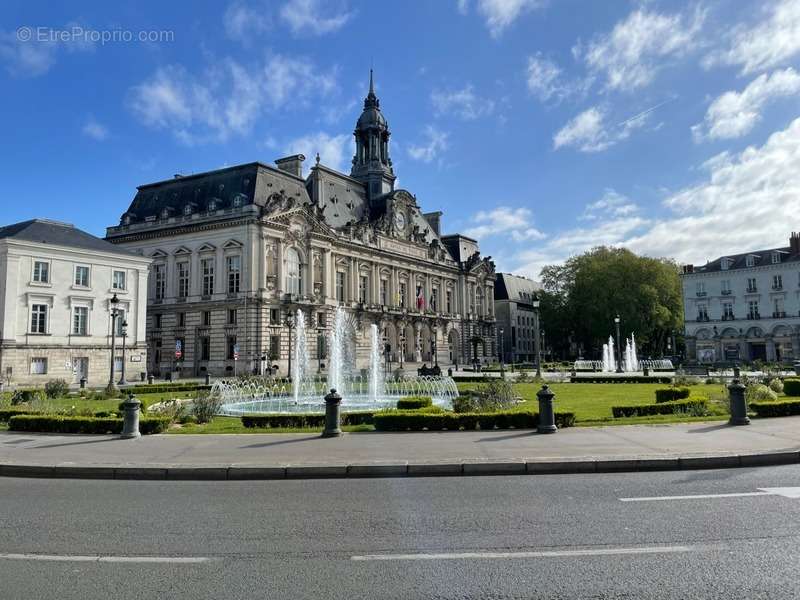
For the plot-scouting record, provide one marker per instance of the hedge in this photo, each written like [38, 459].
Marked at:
[155, 388]
[785, 408]
[621, 379]
[7, 413]
[408, 420]
[302, 420]
[671, 394]
[143, 405]
[791, 386]
[63, 424]
[414, 402]
[664, 408]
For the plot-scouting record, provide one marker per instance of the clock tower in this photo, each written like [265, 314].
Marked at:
[371, 163]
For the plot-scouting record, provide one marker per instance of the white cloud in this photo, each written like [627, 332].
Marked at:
[36, 55]
[612, 204]
[95, 130]
[244, 21]
[309, 16]
[435, 143]
[588, 131]
[504, 220]
[733, 114]
[746, 201]
[463, 103]
[768, 44]
[499, 14]
[630, 55]
[334, 150]
[227, 99]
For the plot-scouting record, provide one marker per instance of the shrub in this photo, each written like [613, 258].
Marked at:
[303, 420]
[671, 394]
[784, 408]
[691, 405]
[56, 388]
[758, 392]
[205, 406]
[64, 424]
[26, 396]
[142, 407]
[622, 379]
[682, 378]
[414, 402]
[187, 420]
[168, 387]
[464, 404]
[7, 413]
[398, 420]
[791, 386]
[776, 385]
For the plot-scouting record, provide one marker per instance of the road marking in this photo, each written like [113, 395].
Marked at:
[106, 559]
[786, 492]
[532, 554]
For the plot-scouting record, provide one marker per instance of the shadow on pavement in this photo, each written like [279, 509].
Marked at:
[710, 428]
[292, 441]
[507, 437]
[75, 443]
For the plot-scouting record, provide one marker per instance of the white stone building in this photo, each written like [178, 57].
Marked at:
[513, 305]
[237, 251]
[56, 282]
[744, 307]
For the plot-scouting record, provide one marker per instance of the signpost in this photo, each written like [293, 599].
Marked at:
[235, 357]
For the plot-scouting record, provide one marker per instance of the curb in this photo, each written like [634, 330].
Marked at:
[404, 468]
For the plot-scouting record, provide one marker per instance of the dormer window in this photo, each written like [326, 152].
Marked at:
[126, 220]
[165, 213]
[776, 258]
[237, 202]
[187, 210]
[725, 264]
[750, 261]
[212, 205]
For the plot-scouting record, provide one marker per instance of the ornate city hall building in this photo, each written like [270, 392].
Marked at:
[237, 251]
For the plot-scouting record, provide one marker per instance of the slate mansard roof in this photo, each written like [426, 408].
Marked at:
[760, 258]
[55, 233]
[515, 288]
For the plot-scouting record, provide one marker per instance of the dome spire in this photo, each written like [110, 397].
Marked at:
[371, 101]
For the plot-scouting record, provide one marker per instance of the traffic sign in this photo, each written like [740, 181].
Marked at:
[236, 352]
[178, 349]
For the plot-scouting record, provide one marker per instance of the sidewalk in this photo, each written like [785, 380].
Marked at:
[278, 456]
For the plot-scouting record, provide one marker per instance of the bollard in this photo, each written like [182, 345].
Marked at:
[736, 371]
[130, 417]
[83, 383]
[208, 378]
[449, 371]
[332, 403]
[547, 418]
[150, 379]
[738, 404]
[646, 371]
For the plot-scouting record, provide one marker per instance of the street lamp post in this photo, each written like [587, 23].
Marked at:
[124, 332]
[290, 325]
[619, 348]
[433, 351]
[387, 352]
[402, 350]
[114, 313]
[544, 345]
[537, 337]
[502, 349]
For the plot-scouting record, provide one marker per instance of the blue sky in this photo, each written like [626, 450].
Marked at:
[542, 128]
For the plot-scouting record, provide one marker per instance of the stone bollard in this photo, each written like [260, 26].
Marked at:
[83, 383]
[547, 418]
[208, 378]
[130, 417]
[736, 371]
[150, 379]
[450, 371]
[332, 403]
[646, 371]
[738, 404]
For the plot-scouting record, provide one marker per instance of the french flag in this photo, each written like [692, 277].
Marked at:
[420, 298]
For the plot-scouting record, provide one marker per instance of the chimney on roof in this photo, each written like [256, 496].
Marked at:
[794, 243]
[434, 219]
[688, 269]
[291, 164]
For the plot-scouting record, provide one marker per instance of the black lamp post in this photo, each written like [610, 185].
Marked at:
[537, 336]
[619, 348]
[124, 332]
[114, 314]
[502, 349]
[290, 325]
[433, 351]
[387, 351]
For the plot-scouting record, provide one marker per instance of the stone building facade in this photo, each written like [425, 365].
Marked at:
[513, 305]
[744, 307]
[56, 283]
[237, 251]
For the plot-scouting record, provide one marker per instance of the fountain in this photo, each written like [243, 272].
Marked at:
[266, 395]
[630, 360]
[609, 358]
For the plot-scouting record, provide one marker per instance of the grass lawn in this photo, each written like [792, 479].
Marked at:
[234, 425]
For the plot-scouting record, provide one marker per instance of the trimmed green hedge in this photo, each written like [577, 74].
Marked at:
[303, 420]
[7, 413]
[144, 388]
[664, 408]
[414, 402]
[791, 386]
[671, 394]
[62, 424]
[621, 379]
[408, 420]
[143, 407]
[785, 408]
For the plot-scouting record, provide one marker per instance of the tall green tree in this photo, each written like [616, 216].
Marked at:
[581, 298]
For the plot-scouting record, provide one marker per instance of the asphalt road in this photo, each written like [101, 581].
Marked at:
[477, 537]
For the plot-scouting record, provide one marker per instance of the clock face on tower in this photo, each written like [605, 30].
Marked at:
[399, 220]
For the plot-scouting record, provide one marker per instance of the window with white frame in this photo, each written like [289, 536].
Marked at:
[80, 320]
[776, 258]
[39, 318]
[118, 280]
[119, 321]
[292, 282]
[38, 366]
[752, 309]
[702, 312]
[435, 299]
[448, 301]
[701, 288]
[777, 282]
[363, 283]
[207, 265]
[160, 279]
[402, 295]
[384, 292]
[340, 286]
[726, 286]
[41, 271]
[183, 279]
[727, 311]
[750, 260]
[778, 306]
[751, 284]
[82, 276]
[234, 268]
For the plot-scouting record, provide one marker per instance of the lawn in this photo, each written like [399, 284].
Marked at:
[234, 425]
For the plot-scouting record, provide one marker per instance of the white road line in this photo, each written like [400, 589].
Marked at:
[696, 497]
[106, 559]
[532, 554]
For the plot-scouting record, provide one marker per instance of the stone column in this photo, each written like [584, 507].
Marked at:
[261, 269]
[418, 341]
[770, 343]
[279, 275]
[308, 274]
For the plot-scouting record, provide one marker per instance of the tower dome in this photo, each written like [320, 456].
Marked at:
[371, 163]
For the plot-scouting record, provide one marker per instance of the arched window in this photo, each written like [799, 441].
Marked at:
[292, 271]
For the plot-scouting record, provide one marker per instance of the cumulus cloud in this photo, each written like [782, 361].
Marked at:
[434, 144]
[769, 43]
[36, 56]
[631, 54]
[227, 99]
[734, 114]
[611, 204]
[314, 17]
[95, 130]
[499, 14]
[463, 103]
[590, 132]
[243, 21]
[505, 221]
[334, 150]
[546, 80]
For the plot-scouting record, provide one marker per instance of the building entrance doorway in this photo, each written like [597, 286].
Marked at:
[758, 351]
[80, 369]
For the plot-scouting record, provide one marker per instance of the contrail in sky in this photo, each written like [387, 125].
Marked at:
[647, 111]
